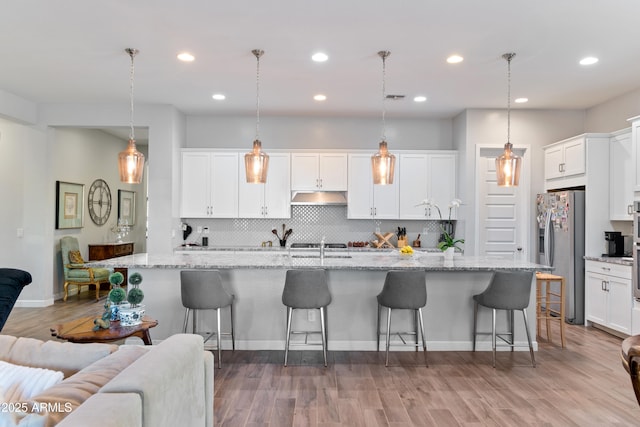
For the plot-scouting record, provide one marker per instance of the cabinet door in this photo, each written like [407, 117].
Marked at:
[596, 310]
[333, 172]
[250, 196]
[621, 174]
[304, 172]
[414, 185]
[553, 159]
[277, 192]
[224, 185]
[195, 185]
[620, 304]
[574, 157]
[360, 183]
[442, 183]
[635, 137]
[386, 198]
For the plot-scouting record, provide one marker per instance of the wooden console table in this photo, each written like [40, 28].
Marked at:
[111, 250]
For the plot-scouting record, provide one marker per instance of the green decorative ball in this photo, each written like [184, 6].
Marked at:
[116, 278]
[135, 279]
[117, 295]
[135, 296]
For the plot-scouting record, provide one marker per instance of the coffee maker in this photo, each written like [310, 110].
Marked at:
[615, 244]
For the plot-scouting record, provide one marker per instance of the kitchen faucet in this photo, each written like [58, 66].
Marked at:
[322, 248]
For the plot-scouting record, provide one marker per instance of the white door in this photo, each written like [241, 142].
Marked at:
[501, 219]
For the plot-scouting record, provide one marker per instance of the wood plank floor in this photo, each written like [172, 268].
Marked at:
[581, 385]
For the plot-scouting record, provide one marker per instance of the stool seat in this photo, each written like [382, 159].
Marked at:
[306, 289]
[203, 290]
[405, 290]
[554, 304]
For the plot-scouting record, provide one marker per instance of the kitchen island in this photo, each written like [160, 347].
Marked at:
[355, 278]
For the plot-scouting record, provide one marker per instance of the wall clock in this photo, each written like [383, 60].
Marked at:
[99, 201]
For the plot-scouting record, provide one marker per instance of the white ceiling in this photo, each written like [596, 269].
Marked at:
[73, 51]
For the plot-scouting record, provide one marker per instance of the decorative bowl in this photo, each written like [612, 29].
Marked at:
[131, 316]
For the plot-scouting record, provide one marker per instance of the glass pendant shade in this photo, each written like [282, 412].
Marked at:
[256, 164]
[383, 165]
[131, 164]
[508, 167]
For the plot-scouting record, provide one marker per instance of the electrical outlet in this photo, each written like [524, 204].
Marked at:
[311, 315]
[199, 229]
[206, 230]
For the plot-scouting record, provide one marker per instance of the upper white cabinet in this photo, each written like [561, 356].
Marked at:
[427, 176]
[366, 200]
[209, 185]
[566, 162]
[319, 171]
[269, 200]
[609, 295]
[621, 176]
[635, 137]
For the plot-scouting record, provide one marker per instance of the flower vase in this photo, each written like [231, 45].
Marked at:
[448, 254]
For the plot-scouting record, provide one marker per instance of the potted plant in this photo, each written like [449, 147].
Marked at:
[133, 314]
[448, 244]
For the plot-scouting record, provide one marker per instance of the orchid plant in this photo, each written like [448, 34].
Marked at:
[446, 238]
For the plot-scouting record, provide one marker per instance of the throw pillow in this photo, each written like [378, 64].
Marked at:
[21, 383]
[75, 257]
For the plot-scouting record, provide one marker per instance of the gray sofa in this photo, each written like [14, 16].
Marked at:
[170, 384]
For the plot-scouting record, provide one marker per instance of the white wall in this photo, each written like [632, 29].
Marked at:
[612, 115]
[317, 133]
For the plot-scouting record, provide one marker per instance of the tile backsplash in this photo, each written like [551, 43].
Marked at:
[309, 224]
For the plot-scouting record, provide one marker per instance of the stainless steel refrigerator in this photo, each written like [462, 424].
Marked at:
[560, 219]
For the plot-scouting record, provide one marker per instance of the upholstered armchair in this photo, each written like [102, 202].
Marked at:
[11, 283]
[75, 271]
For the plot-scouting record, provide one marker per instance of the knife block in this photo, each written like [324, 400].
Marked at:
[402, 241]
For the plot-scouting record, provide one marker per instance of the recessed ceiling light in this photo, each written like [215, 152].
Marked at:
[219, 97]
[320, 97]
[521, 100]
[186, 57]
[454, 59]
[420, 98]
[589, 60]
[319, 57]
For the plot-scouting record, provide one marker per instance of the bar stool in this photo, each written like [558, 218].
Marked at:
[507, 290]
[553, 302]
[403, 290]
[203, 290]
[306, 289]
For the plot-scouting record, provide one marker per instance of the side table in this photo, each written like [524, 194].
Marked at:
[81, 331]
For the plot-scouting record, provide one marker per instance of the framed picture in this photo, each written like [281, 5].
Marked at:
[127, 207]
[69, 205]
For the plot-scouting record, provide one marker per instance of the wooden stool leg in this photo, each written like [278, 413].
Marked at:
[548, 307]
[562, 286]
[538, 306]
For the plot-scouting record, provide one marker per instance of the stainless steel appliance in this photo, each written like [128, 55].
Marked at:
[615, 244]
[560, 217]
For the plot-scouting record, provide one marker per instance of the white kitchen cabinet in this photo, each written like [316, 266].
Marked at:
[319, 171]
[209, 184]
[621, 176]
[366, 200]
[427, 176]
[269, 200]
[609, 295]
[635, 137]
[565, 158]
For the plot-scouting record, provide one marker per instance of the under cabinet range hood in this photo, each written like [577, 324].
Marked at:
[324, 198]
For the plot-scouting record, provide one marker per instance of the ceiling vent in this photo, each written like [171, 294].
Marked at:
[395, 97]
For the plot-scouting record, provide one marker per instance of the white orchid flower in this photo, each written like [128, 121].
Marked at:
[426, 202]
[455, 203]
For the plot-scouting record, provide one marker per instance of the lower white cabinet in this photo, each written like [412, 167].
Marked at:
[609, 295]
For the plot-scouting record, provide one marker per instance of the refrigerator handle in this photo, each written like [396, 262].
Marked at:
[552, 244]
[547, 223]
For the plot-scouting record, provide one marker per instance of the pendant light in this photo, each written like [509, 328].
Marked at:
[131, 161]
[383, 163]
[508, 164]
[256, 162]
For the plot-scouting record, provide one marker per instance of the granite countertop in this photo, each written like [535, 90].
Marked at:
[611, 260]
[356, 260]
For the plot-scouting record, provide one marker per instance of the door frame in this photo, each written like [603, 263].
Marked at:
[494, 150]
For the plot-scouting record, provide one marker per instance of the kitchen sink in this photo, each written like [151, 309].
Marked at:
[318, 256]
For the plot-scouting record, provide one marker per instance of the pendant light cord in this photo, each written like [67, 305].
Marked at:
[258, 53]
[132, 53]
[384, 55]
[508, 57]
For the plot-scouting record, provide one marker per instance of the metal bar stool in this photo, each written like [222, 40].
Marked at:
[306, 289]
[553, 302]
[507, 290]
[203, 290]
[403, 290]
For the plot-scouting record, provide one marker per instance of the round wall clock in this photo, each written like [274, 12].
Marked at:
[99, 201]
